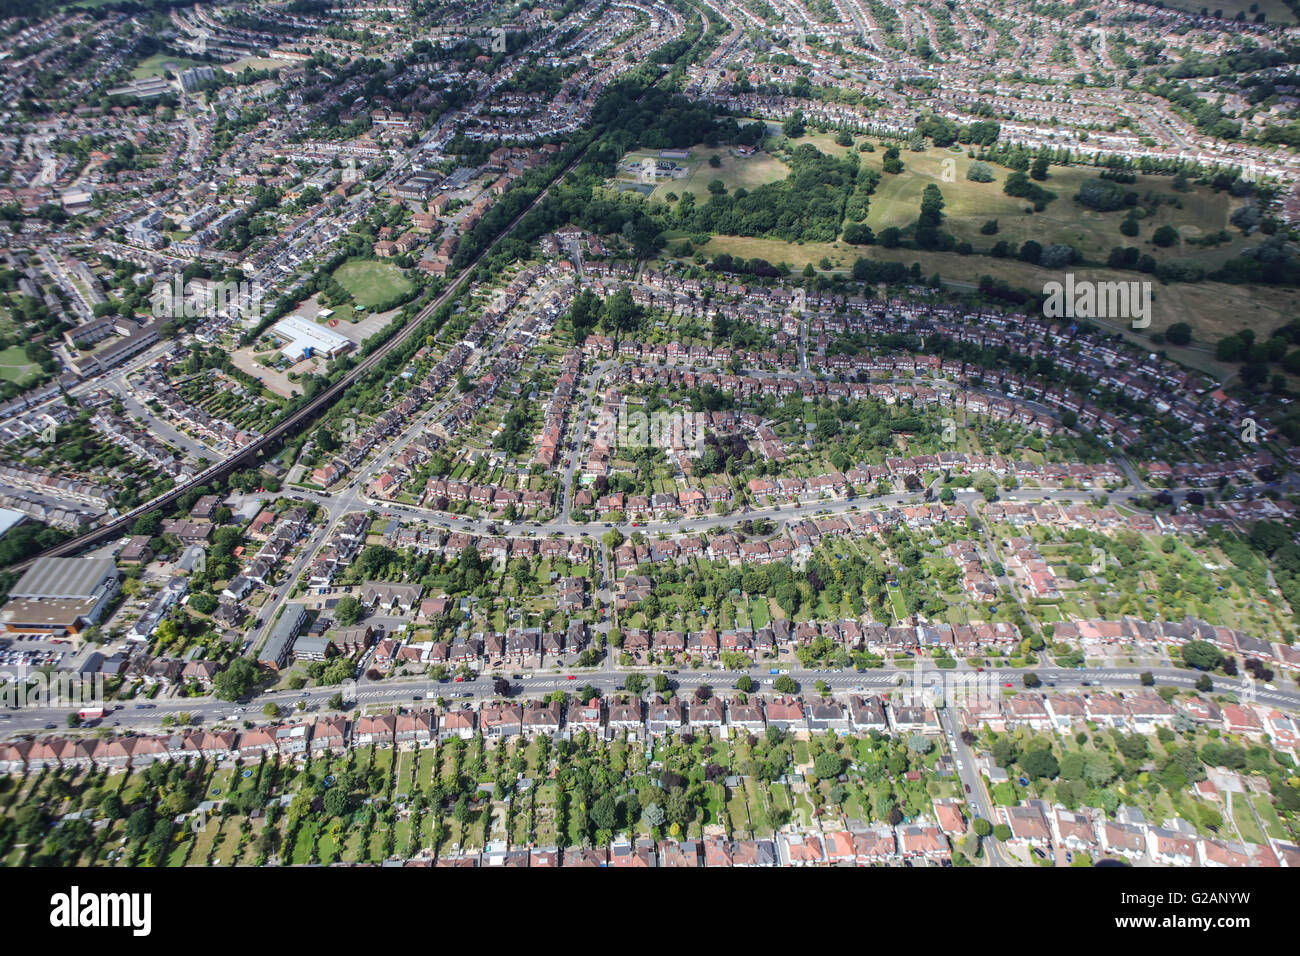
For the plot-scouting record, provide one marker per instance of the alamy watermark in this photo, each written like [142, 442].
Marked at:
[351, 172]
[76, 910]
[205, 298]
[24, 689]
[938, 687]
[949, 434]
[1086, 299]
[667, 430]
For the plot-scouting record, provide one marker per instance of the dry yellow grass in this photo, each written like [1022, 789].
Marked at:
[1213, 309]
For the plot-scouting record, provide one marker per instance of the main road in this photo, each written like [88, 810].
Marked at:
[929, 683]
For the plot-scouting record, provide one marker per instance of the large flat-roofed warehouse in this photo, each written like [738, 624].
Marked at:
[303, 337]
[60, 596]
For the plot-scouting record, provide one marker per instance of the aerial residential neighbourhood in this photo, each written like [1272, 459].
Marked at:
[649, 433]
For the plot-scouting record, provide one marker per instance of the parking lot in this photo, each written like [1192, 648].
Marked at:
[34, 652]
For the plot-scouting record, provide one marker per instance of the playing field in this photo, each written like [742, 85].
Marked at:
[159, 63]
[371, 282]
[14, 366]
[734, 172]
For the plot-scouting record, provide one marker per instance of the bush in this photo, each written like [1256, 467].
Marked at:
[828, 765]
[1202, 655]
[1101, 195]
[1165, 236]
[1057, 255]
[859, 234]
[1020, 186]
[348, 611]
[1040, 763]
[236, 680]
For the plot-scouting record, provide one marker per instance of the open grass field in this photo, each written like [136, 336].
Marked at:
[371, 282]
[160, 63]
[734, 172]
[968, 204]
[1213, 309]
[14, 366]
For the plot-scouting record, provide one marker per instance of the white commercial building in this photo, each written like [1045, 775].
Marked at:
[303, 338]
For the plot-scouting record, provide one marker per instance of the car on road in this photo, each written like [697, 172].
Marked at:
[968, 788]
[1008, 684]
[570, 677]
[979, 670]
[460, 680]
